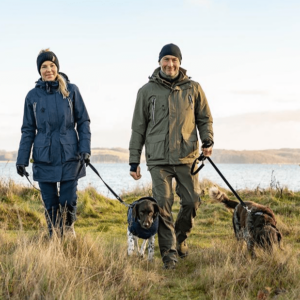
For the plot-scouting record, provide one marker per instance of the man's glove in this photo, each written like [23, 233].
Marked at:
[207, 144]
[21, 170]
[85, 158]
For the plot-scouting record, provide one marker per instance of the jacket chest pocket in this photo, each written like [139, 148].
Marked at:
[155, 147]
[157, 109]
[39, 111]
[70, 111]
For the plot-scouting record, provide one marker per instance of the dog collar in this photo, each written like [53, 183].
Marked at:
[259, 213]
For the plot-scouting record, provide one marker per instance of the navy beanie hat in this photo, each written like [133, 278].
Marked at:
[170, 49]
[45, 56]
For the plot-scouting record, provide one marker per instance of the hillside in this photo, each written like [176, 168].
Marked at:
[279, 156]
[272, 156]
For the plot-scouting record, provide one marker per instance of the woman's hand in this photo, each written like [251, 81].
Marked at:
[21, 170]
[85, 158]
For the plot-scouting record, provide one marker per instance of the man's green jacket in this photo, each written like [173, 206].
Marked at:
[165, 120]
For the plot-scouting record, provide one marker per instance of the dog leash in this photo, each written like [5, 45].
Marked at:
[94, 169]
[202, 159]
[111, 190]
[27, 177]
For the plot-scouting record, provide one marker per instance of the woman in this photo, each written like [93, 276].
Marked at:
[52, 110]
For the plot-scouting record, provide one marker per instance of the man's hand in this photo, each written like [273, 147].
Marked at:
[136, 175]
[207, 151]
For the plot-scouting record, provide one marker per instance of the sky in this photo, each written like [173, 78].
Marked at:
[245, 55]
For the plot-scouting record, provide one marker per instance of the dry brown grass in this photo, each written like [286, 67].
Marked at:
[85, 268]
[96, 266]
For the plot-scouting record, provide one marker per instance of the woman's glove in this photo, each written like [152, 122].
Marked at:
[85, 158]
[21, 170]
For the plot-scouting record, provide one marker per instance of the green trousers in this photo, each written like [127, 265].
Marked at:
[188, 190]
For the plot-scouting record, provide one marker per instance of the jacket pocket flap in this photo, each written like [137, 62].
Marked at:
[68, 139]
[156, 138]
[189, 137]
[41, 141]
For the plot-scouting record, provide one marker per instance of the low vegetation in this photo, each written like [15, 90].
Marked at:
[96, 266]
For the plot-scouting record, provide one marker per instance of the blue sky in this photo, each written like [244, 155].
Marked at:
[245, 54]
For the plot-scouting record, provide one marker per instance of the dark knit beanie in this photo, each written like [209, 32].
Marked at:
[170, 49]
[46, 56]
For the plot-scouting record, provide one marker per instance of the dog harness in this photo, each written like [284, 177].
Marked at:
[135, 227]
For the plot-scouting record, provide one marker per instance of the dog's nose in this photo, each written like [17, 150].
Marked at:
[146, 224]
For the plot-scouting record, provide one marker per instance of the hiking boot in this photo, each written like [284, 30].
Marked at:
[70, 232]
[182, 249]
[169, 265]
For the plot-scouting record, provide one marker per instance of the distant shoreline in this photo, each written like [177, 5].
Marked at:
[284, 156]
[225, 163]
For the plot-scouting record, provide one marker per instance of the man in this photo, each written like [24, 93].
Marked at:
[168, 110]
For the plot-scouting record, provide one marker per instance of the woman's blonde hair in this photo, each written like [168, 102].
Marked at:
[61, 81]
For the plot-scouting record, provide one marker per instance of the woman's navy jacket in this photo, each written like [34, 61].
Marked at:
[135, 227]
[49, 124]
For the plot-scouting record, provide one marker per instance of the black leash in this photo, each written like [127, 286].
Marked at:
[94, 169]
[112, 191]
[27, 176]
[202, 158]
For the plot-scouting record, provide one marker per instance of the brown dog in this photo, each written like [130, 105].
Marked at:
[257, 225]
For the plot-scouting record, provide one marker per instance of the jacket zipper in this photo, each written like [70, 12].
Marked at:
[34, 111]
[191, 101]
[71, 108]
[153, 109]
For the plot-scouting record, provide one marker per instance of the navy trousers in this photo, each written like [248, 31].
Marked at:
[60, 207]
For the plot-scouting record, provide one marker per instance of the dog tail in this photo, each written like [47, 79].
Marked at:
[217, 195]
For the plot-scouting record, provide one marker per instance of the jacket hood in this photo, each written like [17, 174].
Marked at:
[50, 86]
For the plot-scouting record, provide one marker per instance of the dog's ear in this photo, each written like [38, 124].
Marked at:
[158, 210]
[135, 212]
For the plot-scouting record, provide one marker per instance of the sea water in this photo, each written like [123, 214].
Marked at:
[116, 175]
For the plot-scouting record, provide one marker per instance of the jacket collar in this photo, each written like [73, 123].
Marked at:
[183, 78]
[50, 86]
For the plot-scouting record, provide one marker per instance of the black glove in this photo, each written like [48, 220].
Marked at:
[21, 170]
[85, 158]
[207, 144]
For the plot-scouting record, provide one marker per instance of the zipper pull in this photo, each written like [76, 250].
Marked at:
[34, 112]
[71, 108]
[153, 109]
[191, 101]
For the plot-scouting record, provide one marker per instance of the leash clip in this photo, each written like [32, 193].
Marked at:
[247, 209]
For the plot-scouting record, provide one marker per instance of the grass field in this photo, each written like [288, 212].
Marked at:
[96, 266]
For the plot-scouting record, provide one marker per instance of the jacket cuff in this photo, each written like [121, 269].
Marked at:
[133, 167]
[207, 143]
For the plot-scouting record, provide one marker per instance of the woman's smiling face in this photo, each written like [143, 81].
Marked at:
[48, 71]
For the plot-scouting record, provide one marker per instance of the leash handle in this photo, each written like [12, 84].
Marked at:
[200, 158]
[228, 184]
[111, 190]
